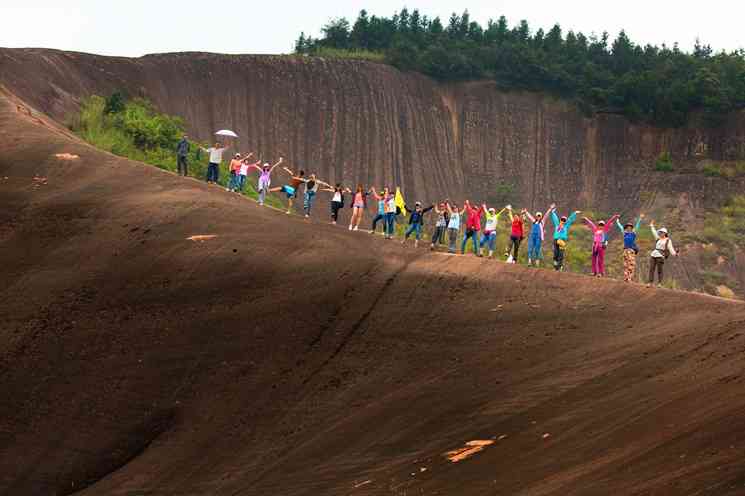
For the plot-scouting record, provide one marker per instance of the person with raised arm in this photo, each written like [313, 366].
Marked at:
[359, 202]
[337, 200]
[265, 178]
[311, 189]
[213, 168]
[537, 235]
[391, 211]
[440, 225]
[453, 225]
[599, 242]
[517, 234]
[292, 188]
[630, 246]
[473, 226]
[663, 249]
[380, 198]
[416, 221]
[235, 172]
[490, 229]
[561, 236]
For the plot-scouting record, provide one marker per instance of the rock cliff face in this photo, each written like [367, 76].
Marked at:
[361, 122]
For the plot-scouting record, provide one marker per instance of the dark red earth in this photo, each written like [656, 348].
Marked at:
[291, 357]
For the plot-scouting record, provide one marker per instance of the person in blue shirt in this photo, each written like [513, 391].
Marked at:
[561, 236]
[381, 211]
[630, 247]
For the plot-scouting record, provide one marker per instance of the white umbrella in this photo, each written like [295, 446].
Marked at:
[226, 132]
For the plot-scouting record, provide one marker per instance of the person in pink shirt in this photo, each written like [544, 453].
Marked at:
[599, 243]
[359, 202]
[473, 226]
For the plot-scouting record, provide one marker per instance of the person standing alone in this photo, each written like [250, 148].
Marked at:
[182, 150]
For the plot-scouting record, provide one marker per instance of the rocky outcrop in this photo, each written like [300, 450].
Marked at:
[359, 122]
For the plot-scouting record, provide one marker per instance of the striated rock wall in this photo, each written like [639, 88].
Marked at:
[354, 121]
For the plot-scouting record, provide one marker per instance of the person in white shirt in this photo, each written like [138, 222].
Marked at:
[213, 168]
[663, 249]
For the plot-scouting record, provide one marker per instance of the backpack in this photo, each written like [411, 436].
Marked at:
[666, 251]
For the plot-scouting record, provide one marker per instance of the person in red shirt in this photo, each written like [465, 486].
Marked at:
[473, 226]
[517, 234]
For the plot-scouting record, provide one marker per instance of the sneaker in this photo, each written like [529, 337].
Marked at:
[356, 228]
[350, 227]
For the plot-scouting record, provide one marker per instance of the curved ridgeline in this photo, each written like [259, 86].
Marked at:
[356, 121]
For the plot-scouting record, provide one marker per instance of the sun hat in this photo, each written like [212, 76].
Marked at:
[662, 230]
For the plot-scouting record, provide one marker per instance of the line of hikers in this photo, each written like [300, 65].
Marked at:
[450, 218]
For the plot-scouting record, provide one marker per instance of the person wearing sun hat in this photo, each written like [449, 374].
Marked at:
[537, 235]
[630, 247]
[663, 249]
[599, 243]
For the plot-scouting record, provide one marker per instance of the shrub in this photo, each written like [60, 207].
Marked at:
[664, 162]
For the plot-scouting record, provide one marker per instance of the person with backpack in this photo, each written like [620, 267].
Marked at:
[630, 246]
[537, 236]
[517, 234]
[453, 226]
[561, 236]
[311, 189]
[599, 243]
[490, 229]
[337, 200]
[473, 226]
[663, 249]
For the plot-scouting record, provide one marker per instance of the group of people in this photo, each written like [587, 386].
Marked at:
[450, 219]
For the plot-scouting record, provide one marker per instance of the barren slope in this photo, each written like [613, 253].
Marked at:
[293, 358]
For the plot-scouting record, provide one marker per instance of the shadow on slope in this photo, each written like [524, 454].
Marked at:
[289, 357]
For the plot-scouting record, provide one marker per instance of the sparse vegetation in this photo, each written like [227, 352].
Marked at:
[664, 162]
[727, 171]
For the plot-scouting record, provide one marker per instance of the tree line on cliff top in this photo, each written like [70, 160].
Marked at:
[659, 85]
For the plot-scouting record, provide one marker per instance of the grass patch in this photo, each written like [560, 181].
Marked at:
[664, 162]
[133, 129]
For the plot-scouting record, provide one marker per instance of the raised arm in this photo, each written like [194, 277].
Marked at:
[590, 223]
[255, 165]
[654, 230]
[638, 222]
[554, 218]
[620, 226]
[551, 208]
[501, 212]
[610, 222]
[275, 165]
[572, 218]
[530, 216]
[509, 212]
[424, 211]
